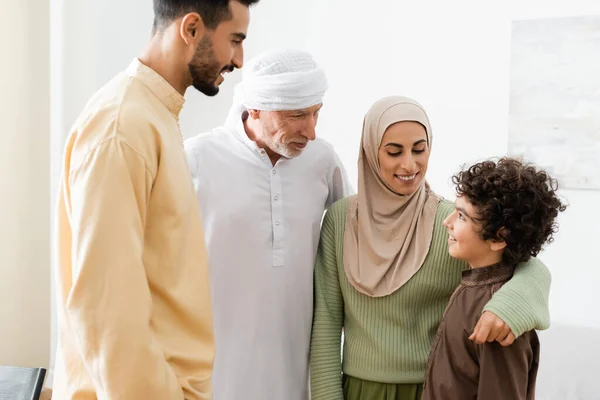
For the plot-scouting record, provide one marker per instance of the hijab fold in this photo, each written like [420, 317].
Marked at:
[387, 235]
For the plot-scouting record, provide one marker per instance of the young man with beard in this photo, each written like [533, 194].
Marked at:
[135, 320]
[263, 182]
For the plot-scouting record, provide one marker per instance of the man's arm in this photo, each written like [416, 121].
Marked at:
[522, 302]
[507, 372]
[109, 306]
[339, 185]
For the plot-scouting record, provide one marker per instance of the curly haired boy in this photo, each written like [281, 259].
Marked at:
[505, 212]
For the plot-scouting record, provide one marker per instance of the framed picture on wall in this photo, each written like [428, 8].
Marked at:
[554, 118]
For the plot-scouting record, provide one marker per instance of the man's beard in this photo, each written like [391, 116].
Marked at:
[283, 149]
[205, 69]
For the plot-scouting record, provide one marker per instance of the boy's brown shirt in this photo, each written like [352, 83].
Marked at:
[458, 368]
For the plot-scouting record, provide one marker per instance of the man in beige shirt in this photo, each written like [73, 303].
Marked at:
[135, 318]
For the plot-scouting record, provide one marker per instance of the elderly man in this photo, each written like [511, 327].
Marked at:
[263, 182]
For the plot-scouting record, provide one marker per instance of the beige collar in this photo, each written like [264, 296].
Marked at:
[166, 93]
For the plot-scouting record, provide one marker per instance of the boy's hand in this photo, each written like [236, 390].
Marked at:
[489, 328]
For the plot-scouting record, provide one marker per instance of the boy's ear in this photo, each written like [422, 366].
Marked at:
[499, 243]
[254, 114]
[498, 246]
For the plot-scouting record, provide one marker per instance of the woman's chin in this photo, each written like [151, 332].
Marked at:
[406, 189]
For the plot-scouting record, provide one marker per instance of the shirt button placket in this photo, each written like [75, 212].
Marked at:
[276, 216]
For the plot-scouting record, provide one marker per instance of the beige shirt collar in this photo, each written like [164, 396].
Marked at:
[166, 93]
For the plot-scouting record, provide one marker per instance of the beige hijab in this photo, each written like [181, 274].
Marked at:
[387, 235]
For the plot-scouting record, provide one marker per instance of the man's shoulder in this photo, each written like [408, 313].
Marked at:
[320, 153]
[210, 147]
[98, 120]
[219, 136]
[323, 144]
[116, 107]
[122, 109]
[323, 147]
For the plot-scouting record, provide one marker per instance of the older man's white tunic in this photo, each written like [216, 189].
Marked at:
[262, 226]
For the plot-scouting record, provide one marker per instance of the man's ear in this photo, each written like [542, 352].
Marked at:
[498, 244]
[254, 114]
[192, 28]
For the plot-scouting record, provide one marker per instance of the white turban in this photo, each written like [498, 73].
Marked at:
[278, 80]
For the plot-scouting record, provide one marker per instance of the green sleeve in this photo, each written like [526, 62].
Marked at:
[523, 301]
[325, 346]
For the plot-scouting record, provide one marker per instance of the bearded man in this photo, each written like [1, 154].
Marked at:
[134, 312]
[263, 182]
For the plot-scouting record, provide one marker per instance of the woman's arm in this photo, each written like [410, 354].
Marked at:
[328, 320]
[522, 303]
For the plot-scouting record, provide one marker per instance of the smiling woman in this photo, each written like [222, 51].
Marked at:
[404, 155]
[383, 273]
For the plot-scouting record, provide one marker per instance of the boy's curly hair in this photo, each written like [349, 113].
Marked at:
[517, 203]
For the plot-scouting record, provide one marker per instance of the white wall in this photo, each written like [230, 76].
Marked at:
[25, 182]
[451, 56]
[454, 57]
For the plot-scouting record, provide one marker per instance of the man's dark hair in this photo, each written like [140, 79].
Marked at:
[213, 12]
[516, 202]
